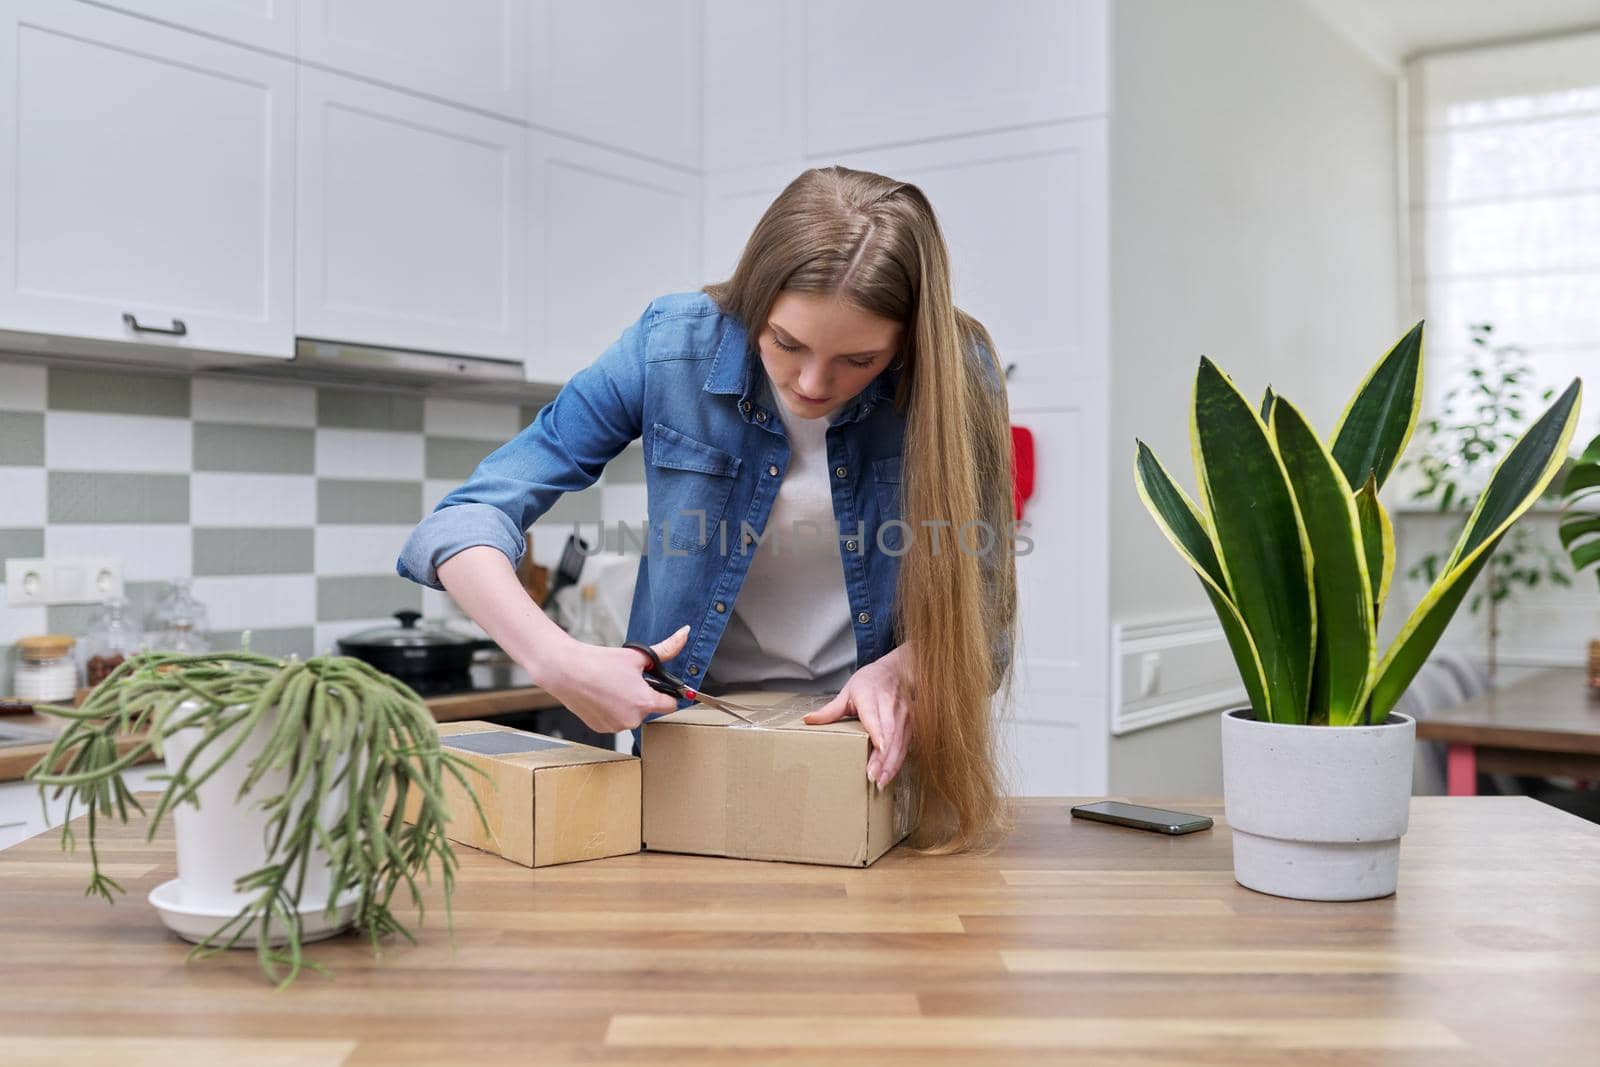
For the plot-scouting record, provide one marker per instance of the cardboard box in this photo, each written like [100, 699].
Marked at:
[778, 790]
[546, 800]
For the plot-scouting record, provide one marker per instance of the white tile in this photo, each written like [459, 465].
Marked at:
[252, 499]
[149, 553]
[369, 454]
[21, 387]
[260, 403]
[478, 420]
[258, 600]
[22, 496]
[89, 441]
[359, 549]
[326, 634]
[27, 621]
[435, 490]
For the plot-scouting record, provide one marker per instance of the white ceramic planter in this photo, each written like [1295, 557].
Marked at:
[225, 838]
[1317, 812]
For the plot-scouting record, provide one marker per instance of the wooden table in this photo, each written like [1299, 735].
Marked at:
[1079, 943]
[1545, 725]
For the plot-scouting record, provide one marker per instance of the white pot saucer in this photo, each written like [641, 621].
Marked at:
[196, 922]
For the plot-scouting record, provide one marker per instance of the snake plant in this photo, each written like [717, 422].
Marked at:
[1297, 553]
[1580, 495]
[336, 726]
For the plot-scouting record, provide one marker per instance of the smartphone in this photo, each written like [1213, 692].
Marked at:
[1140, 817]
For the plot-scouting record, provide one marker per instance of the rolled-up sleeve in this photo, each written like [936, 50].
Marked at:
[564, 449]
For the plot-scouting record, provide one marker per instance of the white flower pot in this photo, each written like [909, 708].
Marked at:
[1317, 812]
[225, 837]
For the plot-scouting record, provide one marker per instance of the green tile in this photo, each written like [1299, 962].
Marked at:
[253, 550]
[454, 457]
[582, 506]
[21, 544]
[6, 658]
[352, 501]
[628, 467]
[21, 439]
[92, 389]
[365, 596]
[82, 496]
[74, 619]
[368, 409]
[282, 641]
[220, 446]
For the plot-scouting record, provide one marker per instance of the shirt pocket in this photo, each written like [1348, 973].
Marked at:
[690, 488]
[886, 478]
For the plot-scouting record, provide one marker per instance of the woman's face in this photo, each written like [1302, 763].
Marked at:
[821, 352]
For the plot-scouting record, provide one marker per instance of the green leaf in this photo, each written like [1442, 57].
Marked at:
[1260, 542]
[1266, 405]
[1378, 422]
[1377, 539]
[1346, 633]
[1516, 483]
[1175, 514]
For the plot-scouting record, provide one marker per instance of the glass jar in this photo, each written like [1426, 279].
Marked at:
[113, 636]
[179, 622]
[45, 670]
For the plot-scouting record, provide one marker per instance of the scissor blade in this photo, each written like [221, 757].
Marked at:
[736, 710]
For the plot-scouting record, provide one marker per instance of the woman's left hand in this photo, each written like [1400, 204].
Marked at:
[878, 694]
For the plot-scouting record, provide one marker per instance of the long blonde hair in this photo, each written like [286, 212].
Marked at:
[875, 243]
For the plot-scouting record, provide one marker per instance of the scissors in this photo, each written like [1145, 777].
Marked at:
[658, 678]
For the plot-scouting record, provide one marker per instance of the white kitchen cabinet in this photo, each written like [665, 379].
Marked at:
[622, 73]
[609, 233]
[264, 24]
[412, 223]
[146, 183]
[22, 816]
[469, 52]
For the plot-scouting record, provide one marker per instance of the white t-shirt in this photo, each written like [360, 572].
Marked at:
[790, 625]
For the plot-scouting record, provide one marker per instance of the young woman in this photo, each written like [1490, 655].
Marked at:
[828, 472]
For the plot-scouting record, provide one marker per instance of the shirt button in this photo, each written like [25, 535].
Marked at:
[761, 416]
[744, 406]
[864, 618]
[721, 607]
[849, 546]
[694, 669]
[840, 471]
[773, 470]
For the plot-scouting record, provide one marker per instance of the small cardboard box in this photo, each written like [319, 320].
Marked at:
[776, 790]
[546, 800]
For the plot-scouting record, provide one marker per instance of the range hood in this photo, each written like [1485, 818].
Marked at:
[349, 363]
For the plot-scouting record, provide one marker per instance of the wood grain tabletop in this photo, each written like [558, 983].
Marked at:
[1079, 943]
[1550, 711]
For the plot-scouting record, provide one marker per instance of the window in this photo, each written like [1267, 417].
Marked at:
[1505, 152]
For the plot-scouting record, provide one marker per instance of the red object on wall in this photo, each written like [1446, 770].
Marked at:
[1022, 462]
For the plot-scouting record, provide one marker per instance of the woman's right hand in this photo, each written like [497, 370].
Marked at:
[605, 686]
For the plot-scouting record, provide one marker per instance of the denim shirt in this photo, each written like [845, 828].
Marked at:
[686, 379]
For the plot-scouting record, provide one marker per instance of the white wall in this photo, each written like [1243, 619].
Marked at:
[1254, 220]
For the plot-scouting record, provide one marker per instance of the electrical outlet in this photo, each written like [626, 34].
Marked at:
[62, 581]
[1149, 674]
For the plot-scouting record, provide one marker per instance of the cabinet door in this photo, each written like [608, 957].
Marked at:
[146, 182]
[266, 24]
[611, 234]
[471, 52]
[622, 73]
[412, 222]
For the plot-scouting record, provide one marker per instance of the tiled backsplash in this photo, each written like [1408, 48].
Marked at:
[287, 503]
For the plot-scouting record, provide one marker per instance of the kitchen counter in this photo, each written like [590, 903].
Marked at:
[1076, 941]
[16, 759]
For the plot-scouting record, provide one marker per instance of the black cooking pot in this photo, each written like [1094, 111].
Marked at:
[411, 651]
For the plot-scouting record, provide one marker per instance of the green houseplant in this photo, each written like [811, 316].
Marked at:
[1296, 553]
[277, 776]
[1580, 496]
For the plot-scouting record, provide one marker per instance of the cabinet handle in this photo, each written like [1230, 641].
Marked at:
[177, 329]
[1011, 368]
